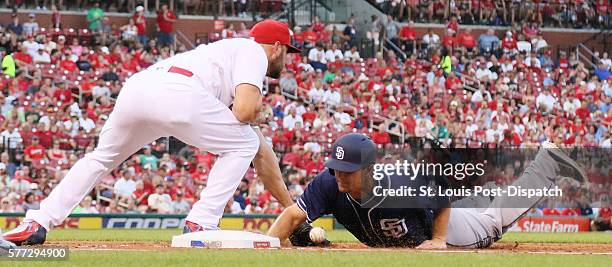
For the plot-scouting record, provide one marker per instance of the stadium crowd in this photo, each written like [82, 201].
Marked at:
[519, 94]
[233, 8]
[557, 13]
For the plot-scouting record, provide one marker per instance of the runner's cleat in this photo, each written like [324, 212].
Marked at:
[27, 233]
[567, 166]
[191, 227]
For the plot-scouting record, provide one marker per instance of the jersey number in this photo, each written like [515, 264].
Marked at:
[394, 227]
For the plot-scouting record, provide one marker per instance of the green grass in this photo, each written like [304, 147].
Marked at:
[247, 258]
[334, 236]
[588, 237]
[114, 235]
[151, 235]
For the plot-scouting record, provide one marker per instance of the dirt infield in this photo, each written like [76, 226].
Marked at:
[538, 248]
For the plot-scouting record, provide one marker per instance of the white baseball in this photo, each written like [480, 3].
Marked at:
[317, 235]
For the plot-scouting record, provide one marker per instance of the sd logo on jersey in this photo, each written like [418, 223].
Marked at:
[339, 153]
[394, 227]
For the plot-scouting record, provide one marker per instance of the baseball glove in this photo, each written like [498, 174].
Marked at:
[301, 237]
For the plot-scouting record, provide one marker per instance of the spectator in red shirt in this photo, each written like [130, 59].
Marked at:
[130, 64]
[22, 58]
[408, 38]
[141, 25]
[603, 221]
[453, 24]
[563, 62]
[44, 134]
[63, 95]
[381, 137]
[570, 212]
[165, 23]
[140, 195]
[56, 17]
[310, 37]
[509, 44]
[583, 111]
[467, 40]
[550, 212]
[55, 153]
[200, 175]
[34, 152]
[309, 116]
[410, 122]
[449, 39]
[317, 25]
[67, 64]
[293, 158]
[453, 83]
[298, 36]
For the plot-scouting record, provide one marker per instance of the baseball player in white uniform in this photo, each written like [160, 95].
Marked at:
[187, 96]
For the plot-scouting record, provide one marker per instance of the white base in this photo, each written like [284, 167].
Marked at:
[224, 239]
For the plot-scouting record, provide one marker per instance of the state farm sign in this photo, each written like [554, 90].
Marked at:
[553, 224]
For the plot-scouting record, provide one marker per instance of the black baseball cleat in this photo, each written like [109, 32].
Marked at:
[27, 233]
[567, 166]
[191, 227]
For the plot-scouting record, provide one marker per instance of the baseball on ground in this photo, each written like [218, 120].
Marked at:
[317, 235]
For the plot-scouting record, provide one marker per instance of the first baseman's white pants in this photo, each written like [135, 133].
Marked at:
[153, 104]
[471, 228]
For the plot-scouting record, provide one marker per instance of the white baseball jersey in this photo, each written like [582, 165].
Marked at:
[186, 96]
[223, 65]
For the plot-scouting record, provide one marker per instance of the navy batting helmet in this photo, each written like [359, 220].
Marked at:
[352, 152]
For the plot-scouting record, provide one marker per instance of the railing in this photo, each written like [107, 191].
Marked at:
[303, 12]
[384, 122]
[468, 82]
[329, 108]
[100, 196]
[15, 146]
[585, 55]
[344, 107]
[605, 32]
[295, 94]
[396, 49]
[181, 38]
[366, 47]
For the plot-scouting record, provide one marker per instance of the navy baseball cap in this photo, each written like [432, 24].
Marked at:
[352, 152]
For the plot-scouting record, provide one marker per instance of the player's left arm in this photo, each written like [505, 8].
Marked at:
[266, 165]
[440, 228]
[294, 221]
[287, 222]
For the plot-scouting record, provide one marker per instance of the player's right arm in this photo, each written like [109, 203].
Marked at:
[247, 103]
[287, 222]
[248, 73]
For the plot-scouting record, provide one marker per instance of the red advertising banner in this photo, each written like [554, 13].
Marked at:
[553, 224]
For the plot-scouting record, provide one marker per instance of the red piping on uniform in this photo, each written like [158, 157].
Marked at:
[181, 71]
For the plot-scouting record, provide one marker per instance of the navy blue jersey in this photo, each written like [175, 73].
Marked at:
[375, 227]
